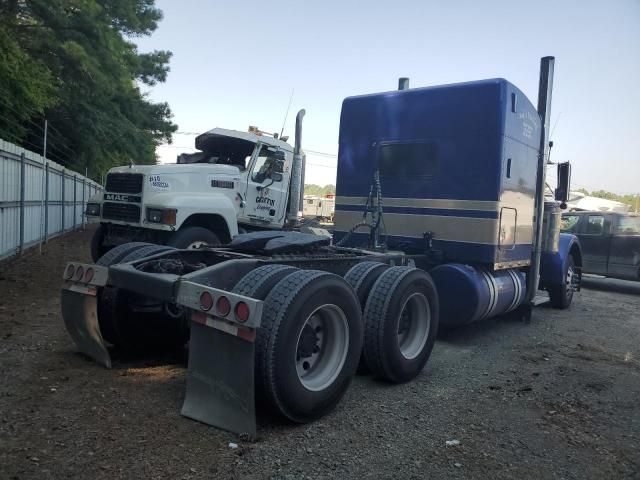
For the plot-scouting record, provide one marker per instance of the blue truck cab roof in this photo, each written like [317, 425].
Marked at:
[457, 161]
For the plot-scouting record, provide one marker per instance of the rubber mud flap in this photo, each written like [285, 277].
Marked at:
[80, 315]
[220, 383]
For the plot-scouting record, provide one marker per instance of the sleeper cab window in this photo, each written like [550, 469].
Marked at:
[409, 160]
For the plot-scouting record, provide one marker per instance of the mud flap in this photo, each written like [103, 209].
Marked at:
[80, 315]
[220, 382]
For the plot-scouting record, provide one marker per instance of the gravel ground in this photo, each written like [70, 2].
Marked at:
[557, 398]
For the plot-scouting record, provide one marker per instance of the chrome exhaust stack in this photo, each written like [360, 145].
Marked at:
[296, 193]
[545, 88]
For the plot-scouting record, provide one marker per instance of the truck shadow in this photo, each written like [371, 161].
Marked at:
[148, 358]
[611, 285]
[489, 328]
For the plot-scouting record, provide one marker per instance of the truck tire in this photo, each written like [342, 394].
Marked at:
[116, 254]
[97, 250]
[562, 295]
[362, 277]
[401, 323]
[259, 282]
[193, 237]
[133, 330]
[308, 346]
[145, 251]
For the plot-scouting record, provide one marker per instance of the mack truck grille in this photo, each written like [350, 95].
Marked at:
[125, 212]
[124, 183]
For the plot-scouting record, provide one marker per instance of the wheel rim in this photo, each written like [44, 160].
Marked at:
[414, 325]
[195, 245]
[322, 347]
[569, 281]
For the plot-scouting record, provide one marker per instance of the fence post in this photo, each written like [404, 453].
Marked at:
[46, 202]
[22, 182]
[84, 205]
[63, 201]
[75, 202]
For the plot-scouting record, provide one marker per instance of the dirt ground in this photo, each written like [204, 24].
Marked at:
[557, 398]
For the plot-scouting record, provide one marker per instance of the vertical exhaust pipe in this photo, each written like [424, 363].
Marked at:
[545, 88]
[296, 193]
[403, 83]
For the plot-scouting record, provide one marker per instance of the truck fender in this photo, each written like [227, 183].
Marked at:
[189, 205]
[553, 265]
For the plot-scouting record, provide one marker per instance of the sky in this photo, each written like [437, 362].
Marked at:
[236, 64]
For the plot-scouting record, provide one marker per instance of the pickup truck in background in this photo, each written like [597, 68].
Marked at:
[610, 242]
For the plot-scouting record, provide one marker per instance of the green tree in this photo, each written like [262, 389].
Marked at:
[312, 189]
[631, 200]
[73, 62]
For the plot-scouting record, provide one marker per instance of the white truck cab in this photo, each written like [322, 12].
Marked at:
[238, 181]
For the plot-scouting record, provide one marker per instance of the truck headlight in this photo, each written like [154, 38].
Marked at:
[93, 209]
[166, 216]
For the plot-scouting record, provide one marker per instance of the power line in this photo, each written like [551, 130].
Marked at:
[333, 167]
[322, 154]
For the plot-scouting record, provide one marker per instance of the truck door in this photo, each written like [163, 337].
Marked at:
[267, 185]
[624, 259]
[595, 238]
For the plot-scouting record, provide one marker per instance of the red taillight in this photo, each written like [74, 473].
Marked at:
[79, 273]
[223, 306]
[69, 272]
[242, 312]
[206, 301]
[88, 275]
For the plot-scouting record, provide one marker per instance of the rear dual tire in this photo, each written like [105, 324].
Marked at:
[361, 277]
[401, 323]
[130, 329]
[308, 346]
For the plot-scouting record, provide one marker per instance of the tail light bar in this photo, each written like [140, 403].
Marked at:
[219, 304]
[85, 274]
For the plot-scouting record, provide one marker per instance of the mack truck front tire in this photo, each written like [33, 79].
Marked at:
[97, 249]
[193, 237]
[309, 344]
[401, 323]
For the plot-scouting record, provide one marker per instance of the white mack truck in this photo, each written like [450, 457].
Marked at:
[238, 182]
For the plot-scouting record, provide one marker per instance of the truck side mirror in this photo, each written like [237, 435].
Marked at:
[564, 184]
[278, 161]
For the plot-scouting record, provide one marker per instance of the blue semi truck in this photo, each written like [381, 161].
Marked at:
[440, 221]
